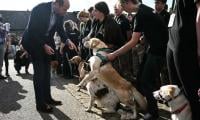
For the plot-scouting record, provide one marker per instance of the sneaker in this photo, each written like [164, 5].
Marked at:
[2, 77]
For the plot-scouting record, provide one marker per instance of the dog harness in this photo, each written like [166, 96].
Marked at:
[103, 58]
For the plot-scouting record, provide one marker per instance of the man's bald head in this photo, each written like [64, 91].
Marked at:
[61, 6]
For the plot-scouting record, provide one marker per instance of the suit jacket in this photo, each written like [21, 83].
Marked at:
[34, 36]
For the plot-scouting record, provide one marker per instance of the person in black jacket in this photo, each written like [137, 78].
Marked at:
[156, 36]
[105, 27]
[45, 20]
[22, 58]
[160, 8]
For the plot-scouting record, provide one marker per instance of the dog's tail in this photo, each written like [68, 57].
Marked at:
[139, 99]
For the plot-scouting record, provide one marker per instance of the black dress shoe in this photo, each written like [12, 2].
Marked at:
[54, 102]
[44, 108]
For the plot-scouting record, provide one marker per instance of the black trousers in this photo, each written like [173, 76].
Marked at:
[147, 77]
[41, 77]
[184, 71]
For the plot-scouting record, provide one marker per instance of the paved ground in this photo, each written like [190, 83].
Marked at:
[17, 100]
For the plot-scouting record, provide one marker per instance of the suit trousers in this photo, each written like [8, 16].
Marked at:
[41, 77]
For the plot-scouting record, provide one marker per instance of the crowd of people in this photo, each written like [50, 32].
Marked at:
[149, 47]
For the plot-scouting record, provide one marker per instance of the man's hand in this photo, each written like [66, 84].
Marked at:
[48, 49]
[111, 56]
[71, 46]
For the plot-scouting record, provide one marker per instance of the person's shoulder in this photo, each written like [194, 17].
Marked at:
[125, 19]
[109, 19]
[42, 5]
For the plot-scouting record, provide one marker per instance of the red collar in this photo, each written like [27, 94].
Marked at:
[180, 109]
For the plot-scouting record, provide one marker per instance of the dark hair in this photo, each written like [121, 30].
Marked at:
[166, 7]
[133, 1]
[90, 9]
[102, 7]
[163, 1]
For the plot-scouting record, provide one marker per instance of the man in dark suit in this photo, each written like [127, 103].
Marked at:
[45, 20]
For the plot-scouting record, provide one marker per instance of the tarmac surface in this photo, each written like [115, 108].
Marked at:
[17, 100]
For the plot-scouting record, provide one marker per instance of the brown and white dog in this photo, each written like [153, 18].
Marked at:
[177, 102]
[98, 92]
[77, 60]
[125, 91]
[102, 95]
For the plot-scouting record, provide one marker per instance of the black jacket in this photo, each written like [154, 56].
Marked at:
[34, 36]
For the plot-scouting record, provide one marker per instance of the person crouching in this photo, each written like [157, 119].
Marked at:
[22, 58]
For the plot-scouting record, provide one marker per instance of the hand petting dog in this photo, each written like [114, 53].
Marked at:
[70, 44]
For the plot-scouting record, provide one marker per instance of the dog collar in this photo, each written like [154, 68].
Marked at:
[103, 58]
[180, 109]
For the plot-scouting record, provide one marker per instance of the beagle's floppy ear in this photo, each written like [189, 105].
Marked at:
[78, 59]
[75, 60]
[94, 42]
